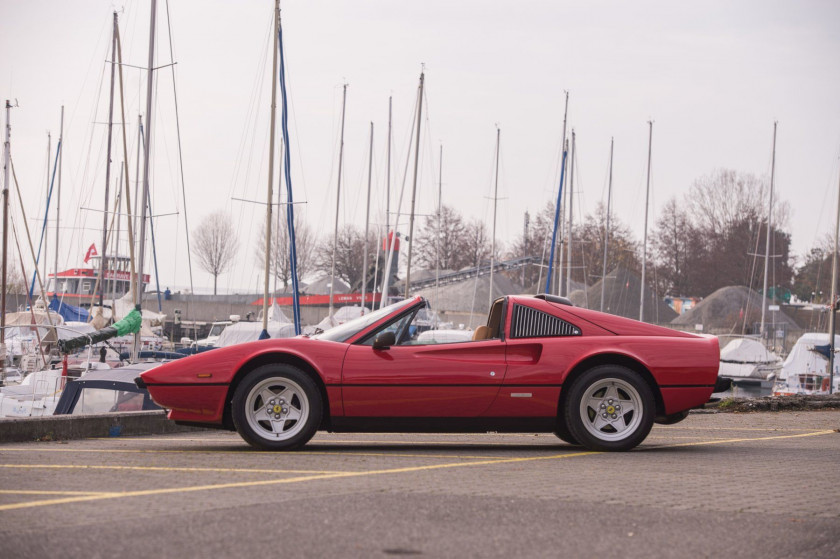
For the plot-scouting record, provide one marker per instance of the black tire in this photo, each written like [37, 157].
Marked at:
[563, 433]
[609, 408]
[277, 407]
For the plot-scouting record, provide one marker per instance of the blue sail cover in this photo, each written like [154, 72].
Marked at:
[68, 312]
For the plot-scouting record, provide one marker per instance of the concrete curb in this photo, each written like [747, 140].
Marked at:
[68, 427]
[775, 404]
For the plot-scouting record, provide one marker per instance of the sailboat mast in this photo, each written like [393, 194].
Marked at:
[607, 231]
[367, 221]
[388, 171]
[337, 201]
[148, 152]
[571, 190]
[439, 223]
[104, 256]
[270, 195]
[136, 217]
[46, 221]
[495, 202]
[644, 243]
[117, 203]
[4, 271]
[558, 284]
[832, 317]
[767, 241]
[58, 200]
[414, 187]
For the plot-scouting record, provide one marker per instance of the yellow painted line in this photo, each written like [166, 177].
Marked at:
[750, 439]
[245, 452]
[25, 492]
[244, 484]
[165, 469]
[695, 437]
[764, 429]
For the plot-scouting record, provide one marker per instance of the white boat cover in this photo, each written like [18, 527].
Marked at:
[342, 315]
[444, 336]
[276, 315]
[125, 305]
[747, 350]
[802, 360]
[243, 332]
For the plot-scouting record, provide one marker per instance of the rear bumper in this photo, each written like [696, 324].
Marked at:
[681, 398]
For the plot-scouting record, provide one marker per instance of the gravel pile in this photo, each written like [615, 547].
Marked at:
[728, 307]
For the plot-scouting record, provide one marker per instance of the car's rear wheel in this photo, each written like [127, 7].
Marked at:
[277, 407]
[609, 408]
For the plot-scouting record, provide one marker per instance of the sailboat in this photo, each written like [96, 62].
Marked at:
[811, 367]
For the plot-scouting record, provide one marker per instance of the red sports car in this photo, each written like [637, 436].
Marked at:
[538, 365]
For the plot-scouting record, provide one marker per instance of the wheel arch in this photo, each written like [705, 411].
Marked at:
[612, 359]
[270, 359]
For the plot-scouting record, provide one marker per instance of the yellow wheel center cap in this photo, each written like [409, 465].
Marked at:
[610, 409]
[278, 408]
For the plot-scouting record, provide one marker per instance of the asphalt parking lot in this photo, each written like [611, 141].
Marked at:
[754, 485]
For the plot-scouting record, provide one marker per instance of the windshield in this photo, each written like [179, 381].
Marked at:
[216, 330]
[345, 331]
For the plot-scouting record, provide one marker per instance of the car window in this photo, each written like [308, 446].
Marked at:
[347, 330]
[399, 327]
[528, 322]
[419, 327]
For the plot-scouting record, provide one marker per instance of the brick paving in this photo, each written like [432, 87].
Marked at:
[760, 484]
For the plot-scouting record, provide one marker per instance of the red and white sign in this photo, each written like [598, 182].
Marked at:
[91, 252]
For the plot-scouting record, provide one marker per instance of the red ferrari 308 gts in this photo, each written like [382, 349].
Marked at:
[538, 365]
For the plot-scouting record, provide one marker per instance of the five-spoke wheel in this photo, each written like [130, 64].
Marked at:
[277, 407]
[609, 408]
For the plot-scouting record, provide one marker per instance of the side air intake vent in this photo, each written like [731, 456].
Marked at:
[531, 323]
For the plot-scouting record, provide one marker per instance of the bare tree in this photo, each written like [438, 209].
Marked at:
[442, 247]
[15, 282]
[622, 249]
[536, 236]
[477, 244]
[349, 255]
[676, 242]
[721, 241]
[280, 264]
[215, 244]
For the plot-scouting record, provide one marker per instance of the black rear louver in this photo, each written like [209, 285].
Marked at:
[531, 323]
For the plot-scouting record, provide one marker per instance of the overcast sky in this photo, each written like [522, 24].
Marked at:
[713, 76]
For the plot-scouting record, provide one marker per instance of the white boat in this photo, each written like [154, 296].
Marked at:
[805, 371]
[746, 362]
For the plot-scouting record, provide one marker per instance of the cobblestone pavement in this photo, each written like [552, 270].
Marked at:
[755, 485]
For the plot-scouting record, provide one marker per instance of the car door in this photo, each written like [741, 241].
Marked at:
[422, 380]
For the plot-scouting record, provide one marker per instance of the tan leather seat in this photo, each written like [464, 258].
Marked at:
[481, 333]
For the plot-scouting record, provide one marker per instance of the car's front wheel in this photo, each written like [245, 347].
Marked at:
[277, 407]
[609, 408]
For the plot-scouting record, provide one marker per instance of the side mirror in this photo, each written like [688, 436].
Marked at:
[384, 340]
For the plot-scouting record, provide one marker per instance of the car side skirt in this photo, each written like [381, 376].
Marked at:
[442, 424]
